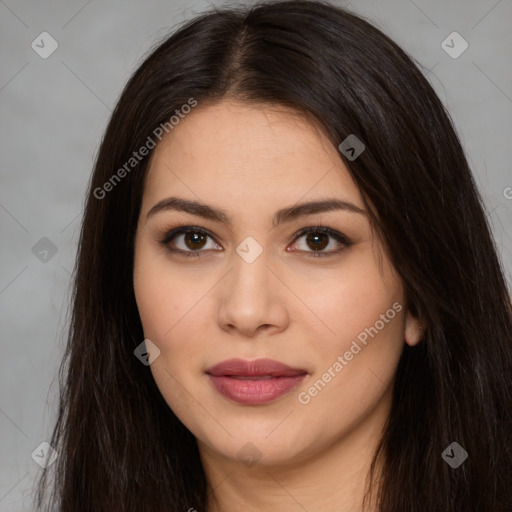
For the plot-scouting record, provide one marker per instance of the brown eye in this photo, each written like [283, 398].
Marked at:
[189, 241]
[317, 241]
[194, 240]
[318, 238]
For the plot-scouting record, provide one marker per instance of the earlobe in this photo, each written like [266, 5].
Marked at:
[413, 330]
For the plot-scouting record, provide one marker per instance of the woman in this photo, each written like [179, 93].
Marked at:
[286, 295]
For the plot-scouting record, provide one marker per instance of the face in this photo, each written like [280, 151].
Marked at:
[240, 268]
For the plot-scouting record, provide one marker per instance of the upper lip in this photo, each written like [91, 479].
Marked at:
[256, 368]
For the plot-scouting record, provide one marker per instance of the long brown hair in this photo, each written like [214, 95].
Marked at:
[120, 446]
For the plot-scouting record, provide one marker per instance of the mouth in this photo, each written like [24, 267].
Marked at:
[254, 382]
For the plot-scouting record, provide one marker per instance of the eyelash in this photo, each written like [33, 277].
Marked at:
[173, 233]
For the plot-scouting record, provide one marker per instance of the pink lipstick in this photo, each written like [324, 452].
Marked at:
[254, 382]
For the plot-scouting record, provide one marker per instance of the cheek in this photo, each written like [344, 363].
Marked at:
[163, 297]
[172, 311]
[356, 365]
[358, 344]
[352, 304]
[168, 311]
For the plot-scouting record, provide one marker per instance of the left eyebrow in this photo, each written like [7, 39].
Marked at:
[281, 216]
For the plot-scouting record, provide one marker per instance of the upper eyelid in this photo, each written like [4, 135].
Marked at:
[180, 230]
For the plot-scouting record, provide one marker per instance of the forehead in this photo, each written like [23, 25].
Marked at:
[254, 153]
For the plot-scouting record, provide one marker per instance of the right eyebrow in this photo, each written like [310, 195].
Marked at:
[281, 216]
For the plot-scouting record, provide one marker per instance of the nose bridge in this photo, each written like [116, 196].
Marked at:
[249, 296]
[250, 274]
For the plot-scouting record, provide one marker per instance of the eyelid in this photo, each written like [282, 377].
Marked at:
[186, 228]
[181, 229]
[333, 233]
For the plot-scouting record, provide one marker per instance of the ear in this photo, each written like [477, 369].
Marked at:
[413, 330]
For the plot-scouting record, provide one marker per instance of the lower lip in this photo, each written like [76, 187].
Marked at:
[255, 392]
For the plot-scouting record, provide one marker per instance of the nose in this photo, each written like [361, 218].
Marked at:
[252, 299]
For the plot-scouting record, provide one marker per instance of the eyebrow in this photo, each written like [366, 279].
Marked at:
[281, 216]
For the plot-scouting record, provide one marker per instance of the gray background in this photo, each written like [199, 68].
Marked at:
[54, 111]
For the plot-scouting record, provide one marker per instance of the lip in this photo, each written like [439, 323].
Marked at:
[254, 382]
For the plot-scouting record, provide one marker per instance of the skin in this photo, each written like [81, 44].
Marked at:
[305, 311]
